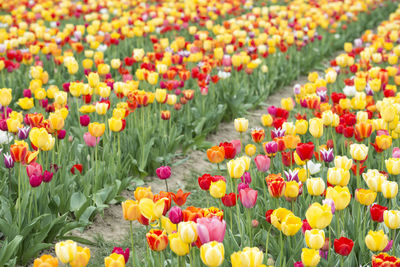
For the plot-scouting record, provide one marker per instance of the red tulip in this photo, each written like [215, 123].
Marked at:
[376, 212]
[205, 181]
[306, 226]
[78, 167]
[229, 200]
[268, 215]
[305, 150]
[276, 188]
[157, 239]
[230, 150]
[343, 246]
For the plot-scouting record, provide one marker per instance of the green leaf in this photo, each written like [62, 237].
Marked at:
[8, 250]
[77, 200]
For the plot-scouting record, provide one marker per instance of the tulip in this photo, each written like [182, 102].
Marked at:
[343, 162]
[84, 120]
[343, 246]
[35, 180]
[248, 197]
[122, 252]
[383, 259]
[305, 150]
[315, 238]
[211, 229]
[114, 260]
[340, 195]
[392, 218]
[177, 245]
[237, 144]
[319, 216]
[278, 216]
[163, 172]
[266, 120]
[291, 225]
[56, 121]
[8, 161]
[66, 251]
[236, 167]
[396, 155]
[151, 210]
[82, 257]
[5, 96]
[45, 261]
[115, 124]
[276, 188]
[218, 189]
[383, 141]
[96, 129]
[241, 125]
[315, 186]
[310, 257]
[393, 166]
[130, 210]
[271, 148]
[301, 127]
[212, 254]
[175, 215]
[257, 135]
[229, 200]
[359, 151]
[157, 239]
[376, 240]
[187, 231]
[365, 196]
[23, 133]
[389, 189]
[377, 212]
[34, 169]
[143, 192]
[216, 154]
[249, 257]
[327, 155]
[292, 189]
[338, 176]
[374, 179]
[250, 150]
[316, 127]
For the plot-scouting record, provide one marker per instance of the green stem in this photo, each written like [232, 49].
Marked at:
[249, 226]
[281, 253]
[19, 195]
[132, 244]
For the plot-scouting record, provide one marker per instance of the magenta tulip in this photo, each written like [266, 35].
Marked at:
[47, 176]
[248, 197]
[121, 251]
[163, 172]
[242, 186]
[84, 120]
[175, 215]
[262, 162]
[211, 229]
[35, 180]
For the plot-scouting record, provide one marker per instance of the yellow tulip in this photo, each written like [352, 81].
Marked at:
[287, 103]
[115, 63]
[291, 225]
[365, 196]
[236, 168]
[374, 179]
[93, 79]
[338, 176]
[25, 103]
[82, 257]
[103, 69]
[249, 257]
[151, 210]
[56, 121]
[376, 240]
[212, 254]
[392, 218]
[167, 225]
[241, 125]
[389, 189]
[292, 189]
[388, 113]
[60, 98]
[383, 141]
[143, 192]
[310, 257]
[115, 124]
[315, 186]
[96, 129]
[393, 166]
[101, 108]
[247, 162]
[315, 238]
[66, 251]
[152, 78]
[161, 95]
[176, 244]
[130, 210]
[301, 127]
[5, 96]
[340, 195]
[114, 260]
[316, 127]
[319, 216]
[266, 120]
[278, 216]
[87, 109]
[218, 189]
[187, 231]
[358, 151]
[13, 125]
[250, 150]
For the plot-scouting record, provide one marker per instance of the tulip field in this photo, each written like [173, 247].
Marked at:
[98, 96]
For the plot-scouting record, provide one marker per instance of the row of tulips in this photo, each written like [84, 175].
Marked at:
[88, 126]
[316, 185]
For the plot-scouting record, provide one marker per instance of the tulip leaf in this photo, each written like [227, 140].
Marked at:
[77, 200]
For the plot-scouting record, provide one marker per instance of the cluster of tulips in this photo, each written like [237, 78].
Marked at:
[114, 89]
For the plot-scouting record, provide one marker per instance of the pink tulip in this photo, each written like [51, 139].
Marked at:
[35, 180]
[47, 176]
[211, 229]
[262, 162]
[34, 169]
[248, 197]
[121, 251]
[163, 172]
[396, 152]
[237, 145]
[90, 140]
[175, 215]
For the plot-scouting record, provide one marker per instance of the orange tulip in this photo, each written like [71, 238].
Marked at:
[258, 135]
[130, 210]
[180, 197]
[291, 141]
[167, 200]
[192, 214]
[216, 154]
[45, 261]
[363, 130]
[18, 152]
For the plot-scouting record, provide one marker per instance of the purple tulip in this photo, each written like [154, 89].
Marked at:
[242, 186]
[47, 176]
[330, 203]
[175, 215]
[327, 155]
[23, 133]
[211, 229]
[246, 178]
[248, 197]
[388, 247]
[8, 161]
[278, 132]
[35, 180]
[84, 120]
[271, 147]
[120, 251]
[163, 172]
[292, 175]
[323, 254]
[90, 140]
[262, 162]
